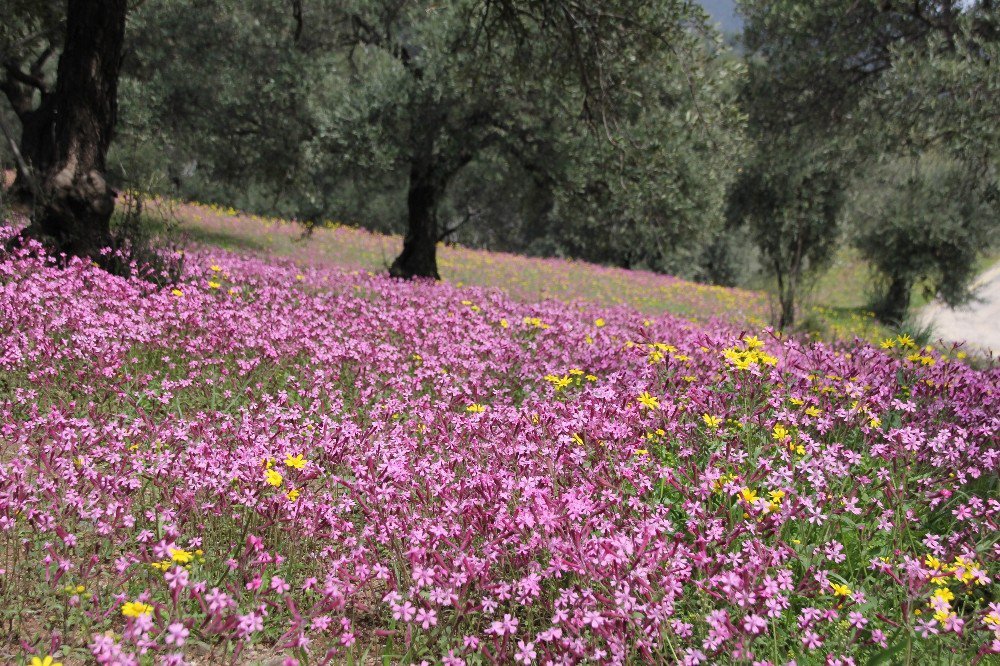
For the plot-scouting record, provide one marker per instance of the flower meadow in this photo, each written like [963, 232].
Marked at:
[532, 278]
[281, 463]
[524, 278]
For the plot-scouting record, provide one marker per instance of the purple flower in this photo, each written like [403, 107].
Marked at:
[177, 633]
[525, 653]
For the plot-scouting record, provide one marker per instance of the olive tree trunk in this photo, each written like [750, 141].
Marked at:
[74, 213]
[419, 255]
[895, 302]
[430, 174]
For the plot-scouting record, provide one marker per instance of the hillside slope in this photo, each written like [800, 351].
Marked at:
[524, 278]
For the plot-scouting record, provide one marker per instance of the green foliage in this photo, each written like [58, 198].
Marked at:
[29, 27]
[941, 94]
[922, 221]
[325, 119]
[213, 96]
[927, 206]
[873, 83]
[790, 200]
[653, 197]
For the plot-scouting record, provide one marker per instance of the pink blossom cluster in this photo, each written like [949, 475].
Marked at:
[275, 461]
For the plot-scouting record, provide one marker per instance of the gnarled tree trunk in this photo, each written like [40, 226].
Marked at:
[36, 147]
[430, 174]
[419, 255]
[35, 141]
[74, 213]
[895, 302]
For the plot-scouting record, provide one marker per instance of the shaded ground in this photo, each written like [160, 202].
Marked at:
[977, 323]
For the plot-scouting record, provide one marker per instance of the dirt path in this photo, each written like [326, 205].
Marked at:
[977, 323]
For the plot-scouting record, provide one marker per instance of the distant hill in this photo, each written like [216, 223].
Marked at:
[724, 13]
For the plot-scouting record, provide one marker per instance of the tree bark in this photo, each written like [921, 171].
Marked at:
[787, 317]
[75, 211]
[786, 297]
[36, 147]
[419, 256]
[35, 139]
[896, 302]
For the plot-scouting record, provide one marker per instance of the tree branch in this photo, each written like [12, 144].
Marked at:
[14, 72]
[22, 165]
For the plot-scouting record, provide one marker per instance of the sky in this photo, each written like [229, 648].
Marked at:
[723, 12]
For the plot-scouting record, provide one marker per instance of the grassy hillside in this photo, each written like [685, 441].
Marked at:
[524, 278]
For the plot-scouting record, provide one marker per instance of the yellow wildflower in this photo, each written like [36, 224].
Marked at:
[599, 323]
[767, 359]
[749, 496]
[648, 401]
[711, 421]
[475, 408]
[136, 609]
[840, 590]
[295, 462]
[179, 556]
[562, 382]
[272, 478]
[45, 661]
[177, 292]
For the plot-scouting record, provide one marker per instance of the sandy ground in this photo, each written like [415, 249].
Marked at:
[977, 323]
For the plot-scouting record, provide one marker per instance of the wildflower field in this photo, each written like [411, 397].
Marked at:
[283, 462]
[525, 278]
